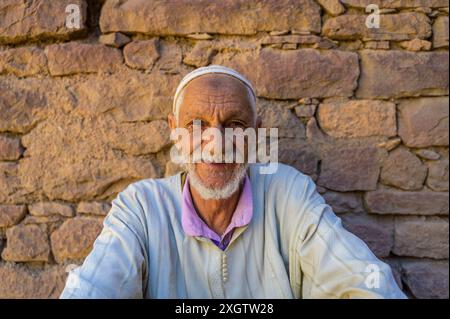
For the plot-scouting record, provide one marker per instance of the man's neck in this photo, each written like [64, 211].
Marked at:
[216, 213]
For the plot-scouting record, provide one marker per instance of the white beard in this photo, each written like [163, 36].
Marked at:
[216, 193]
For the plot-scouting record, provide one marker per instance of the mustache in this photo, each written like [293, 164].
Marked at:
[213, 158]
[206, 157]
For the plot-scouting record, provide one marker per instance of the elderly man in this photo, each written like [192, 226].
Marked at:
[225, 230]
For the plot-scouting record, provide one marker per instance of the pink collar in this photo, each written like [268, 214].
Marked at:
[193, 225]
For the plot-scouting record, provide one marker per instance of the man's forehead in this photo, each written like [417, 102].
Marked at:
[215, 90]
[222, 97]
[216, 85]
[205, 105]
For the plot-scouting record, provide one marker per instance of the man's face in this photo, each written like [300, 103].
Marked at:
[218, 101]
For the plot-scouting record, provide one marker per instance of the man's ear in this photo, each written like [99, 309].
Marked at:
[172, 121]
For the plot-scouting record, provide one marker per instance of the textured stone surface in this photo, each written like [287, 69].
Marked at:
[141, 54]
[397, 27]
[115, 39]
[26, 243]
[404, 170]
[324, 79]
[206, 16]
[377, 45]
[416, 45]
[440, 32]
[424, 122]
[72, 58]
[383, 74]
[126, 97]
[390, 144]
[420, 237]
[29, 20]
[291, 39]
[350, 169]
[20, 108]
[74, 239]
[11, 215]
[94, 208]
[140, 138]
[344, 202]
[332, 7]
[293, 74]
[307, 110]
[301, 157]
[98, 170]
[10, 148]
[51, 208]
[438, 175]
[358, 118]
[23, 61]
[426, 279]
[391, 201]
[275, 115]
[171, 57]
[201, 54]
[377, 233]
[9, 181]
[42, 219]
[428, 154]
[19, 281]
[386, 4]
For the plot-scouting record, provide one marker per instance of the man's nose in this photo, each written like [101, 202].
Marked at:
[213, 132]
[216, 136]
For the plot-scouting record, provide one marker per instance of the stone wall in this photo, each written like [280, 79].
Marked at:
[364, 112]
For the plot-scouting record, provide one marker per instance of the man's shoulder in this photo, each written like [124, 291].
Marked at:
[150, 188]
[147, 199]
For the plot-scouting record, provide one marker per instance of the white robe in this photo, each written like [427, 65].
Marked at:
[294, 247]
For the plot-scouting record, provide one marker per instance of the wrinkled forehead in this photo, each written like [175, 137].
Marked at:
[210, 91]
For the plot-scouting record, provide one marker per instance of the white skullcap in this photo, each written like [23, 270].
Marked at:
[206, 70]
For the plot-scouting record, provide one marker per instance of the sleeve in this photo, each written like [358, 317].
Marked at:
[335, 263]
[116, 266]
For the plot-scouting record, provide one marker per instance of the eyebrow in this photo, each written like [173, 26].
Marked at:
[234, 114]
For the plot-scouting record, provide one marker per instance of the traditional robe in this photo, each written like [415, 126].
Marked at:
[293, 247]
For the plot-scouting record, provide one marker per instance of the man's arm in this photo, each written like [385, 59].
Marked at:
[333, 262]
[116, 266]
[337, 264]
